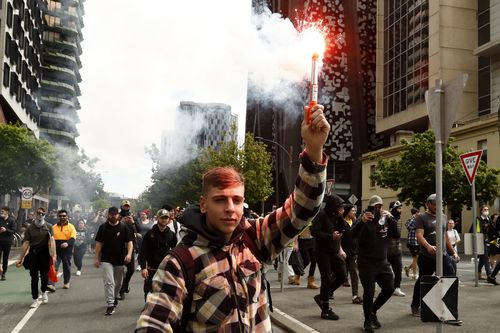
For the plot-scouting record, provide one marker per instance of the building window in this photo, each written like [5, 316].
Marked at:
[406, 34]
[6, 73]
[483, 22]
[372, 171]
[484, 86]
[483, 145]
[54, 5]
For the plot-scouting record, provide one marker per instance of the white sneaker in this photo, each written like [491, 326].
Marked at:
[45, 297]
[398, 292]
[78, 273]
[35, 304]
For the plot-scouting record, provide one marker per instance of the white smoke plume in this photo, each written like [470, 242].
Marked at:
[153, 56]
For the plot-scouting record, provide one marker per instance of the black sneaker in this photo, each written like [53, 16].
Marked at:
[121, 295]
[110, 310]
[329, 314]
[455, 322]
[374, 320]
[116, 302]
[492, 280]
[51, 288]
[367, 326]
[3, 277]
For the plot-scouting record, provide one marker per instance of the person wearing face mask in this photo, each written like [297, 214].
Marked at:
[482, 224]
[371, 230]
[37, 241]
[7, 230]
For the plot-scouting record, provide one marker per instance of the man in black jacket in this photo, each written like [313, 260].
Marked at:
[327, 228]
[134, 230]
[371, 229]
[155, 246]
[7, 230]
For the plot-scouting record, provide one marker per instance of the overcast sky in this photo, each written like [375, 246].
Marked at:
[140, 59]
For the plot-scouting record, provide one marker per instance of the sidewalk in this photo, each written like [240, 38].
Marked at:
[296, 311]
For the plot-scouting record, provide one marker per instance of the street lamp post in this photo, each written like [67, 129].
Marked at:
[290, 189]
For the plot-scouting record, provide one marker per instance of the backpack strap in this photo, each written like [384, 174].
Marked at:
[185, 259]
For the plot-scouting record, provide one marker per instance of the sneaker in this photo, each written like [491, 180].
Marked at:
[357, 300]
[35, 304]
[78, 273]
[414, 276]
[374, 321]
[331, 296]
[415, 311]
[51, 288]
[66, 286]
[455, 322]
[116, 302]
[110, 310]
[45, 297]
[138, 268]
[3, 277]
[407, 271]
[398, 292]
[492, 280]
[367, 327]
[329, 314]
[121, 295]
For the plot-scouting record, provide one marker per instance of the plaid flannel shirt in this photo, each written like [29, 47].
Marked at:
[229, 295]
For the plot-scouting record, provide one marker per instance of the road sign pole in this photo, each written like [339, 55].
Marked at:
[474, 233]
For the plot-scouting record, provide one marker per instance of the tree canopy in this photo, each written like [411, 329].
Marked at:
[25, 160]
[182, 183]
[413, 175]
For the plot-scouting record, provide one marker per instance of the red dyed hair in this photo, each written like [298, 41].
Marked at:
[221, 177]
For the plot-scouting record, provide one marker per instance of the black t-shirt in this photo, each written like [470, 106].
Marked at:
[114, 241]
[428, 223]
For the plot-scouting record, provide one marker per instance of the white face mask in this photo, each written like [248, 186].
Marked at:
[485, 213]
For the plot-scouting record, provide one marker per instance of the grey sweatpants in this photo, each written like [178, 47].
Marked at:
[112, 277]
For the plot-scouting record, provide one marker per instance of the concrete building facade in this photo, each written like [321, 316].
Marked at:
[419, 42]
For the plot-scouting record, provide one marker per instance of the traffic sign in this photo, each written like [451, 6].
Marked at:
[26, 197]
[439, 298]
[353, 199]
[470, 162]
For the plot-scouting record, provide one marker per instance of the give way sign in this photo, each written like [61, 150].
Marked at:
[470, 162]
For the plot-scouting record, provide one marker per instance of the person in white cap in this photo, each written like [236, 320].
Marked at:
[371, 229]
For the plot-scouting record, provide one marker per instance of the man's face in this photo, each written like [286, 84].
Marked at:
[113, 217]
[40, 214]
[377, 208]
[63, 217]
[126, 207]
[431, 206]
[164, 220]
[4, 213]
[223, 208]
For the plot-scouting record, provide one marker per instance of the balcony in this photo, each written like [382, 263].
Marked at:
[55, 102]
[61, 45]
[61, 58]
[56, 72]
[58, 87]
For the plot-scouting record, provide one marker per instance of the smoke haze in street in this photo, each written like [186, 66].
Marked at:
[141, 59]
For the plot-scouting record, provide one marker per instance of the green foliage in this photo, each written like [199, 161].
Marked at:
[25, 160]
[414, 175]
[176, 185]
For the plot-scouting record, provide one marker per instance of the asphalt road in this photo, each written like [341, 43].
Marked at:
[81, 308]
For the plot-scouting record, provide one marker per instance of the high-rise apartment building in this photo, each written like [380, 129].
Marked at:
[420, 41]
[62, 23]
[204, 125]
[20, 42]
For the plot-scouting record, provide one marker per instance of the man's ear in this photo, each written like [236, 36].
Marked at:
[202, 204]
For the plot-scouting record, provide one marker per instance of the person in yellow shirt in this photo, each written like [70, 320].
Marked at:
[65, 236]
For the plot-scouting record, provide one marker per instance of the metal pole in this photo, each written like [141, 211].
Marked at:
[474, 233]
[439, 189]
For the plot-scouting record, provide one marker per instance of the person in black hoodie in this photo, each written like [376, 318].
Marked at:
[155, 245]
[7, 230]
[371, 230]
[327, 228]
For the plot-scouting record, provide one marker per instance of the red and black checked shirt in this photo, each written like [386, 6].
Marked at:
[229, 295]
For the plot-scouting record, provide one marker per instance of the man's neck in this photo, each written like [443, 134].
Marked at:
[113, 224]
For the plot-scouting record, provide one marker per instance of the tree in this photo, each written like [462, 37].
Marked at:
[25, 160]
[414, 174]
[177, 185]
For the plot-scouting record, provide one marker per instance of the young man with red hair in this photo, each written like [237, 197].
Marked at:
[228, 250]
